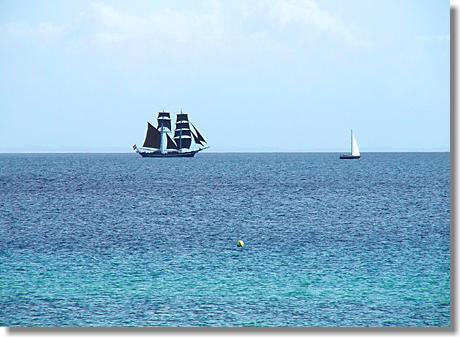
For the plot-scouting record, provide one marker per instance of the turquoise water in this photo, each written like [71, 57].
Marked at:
[117, 240]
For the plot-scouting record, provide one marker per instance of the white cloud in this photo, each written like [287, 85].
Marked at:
[50, 31]
[216, 24]
[304, 12]
[157, 26]
[43, 31]
[307, 14]
[219, 24]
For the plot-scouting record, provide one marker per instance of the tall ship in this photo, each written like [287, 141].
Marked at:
[161, 142]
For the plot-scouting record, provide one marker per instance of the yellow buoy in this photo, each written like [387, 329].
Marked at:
[240, 243]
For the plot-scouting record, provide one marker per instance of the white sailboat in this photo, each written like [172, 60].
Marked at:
[355, 154]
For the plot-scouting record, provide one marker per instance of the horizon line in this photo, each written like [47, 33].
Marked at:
[229, 152]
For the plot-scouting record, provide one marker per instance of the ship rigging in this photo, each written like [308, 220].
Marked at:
[186, 141]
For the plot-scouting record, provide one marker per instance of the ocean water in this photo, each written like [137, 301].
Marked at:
[117, 240]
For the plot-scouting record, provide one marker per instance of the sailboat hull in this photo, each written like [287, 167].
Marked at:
[349, 156]
[158, 154]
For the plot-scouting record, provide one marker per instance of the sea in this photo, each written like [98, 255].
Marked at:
[116, 240]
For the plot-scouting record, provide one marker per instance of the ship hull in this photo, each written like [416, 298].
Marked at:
[168, 154]
[349, 156]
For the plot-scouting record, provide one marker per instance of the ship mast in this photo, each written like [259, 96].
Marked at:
[164, 126]
[182, 134]
[351, 141]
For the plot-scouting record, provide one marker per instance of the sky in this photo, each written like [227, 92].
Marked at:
[259, 75]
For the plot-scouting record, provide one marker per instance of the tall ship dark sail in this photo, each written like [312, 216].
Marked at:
[182, 134]
[163, 142]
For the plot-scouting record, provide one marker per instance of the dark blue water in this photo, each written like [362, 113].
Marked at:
[117, 240]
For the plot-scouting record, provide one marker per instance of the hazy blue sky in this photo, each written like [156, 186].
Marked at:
[261, 75]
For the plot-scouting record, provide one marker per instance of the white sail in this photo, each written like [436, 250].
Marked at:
[163, 140]
[354, 146]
